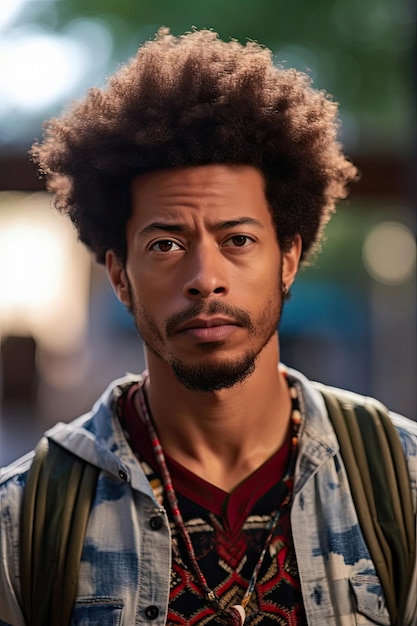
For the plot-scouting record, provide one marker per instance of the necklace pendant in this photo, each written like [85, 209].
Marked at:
[238, 608]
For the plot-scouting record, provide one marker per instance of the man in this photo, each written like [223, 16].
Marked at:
[202, 176]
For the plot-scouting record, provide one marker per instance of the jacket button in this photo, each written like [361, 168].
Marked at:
[151, 612]
[122, 474]
[155, 522]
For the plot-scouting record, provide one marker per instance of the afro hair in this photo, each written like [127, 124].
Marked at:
[188, 101]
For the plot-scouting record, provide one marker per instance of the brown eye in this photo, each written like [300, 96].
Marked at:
[165, 245]
[238, 241]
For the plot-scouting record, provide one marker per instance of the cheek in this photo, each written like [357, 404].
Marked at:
[149, 293]
[262, 279]
[152, 307]
[149, 327]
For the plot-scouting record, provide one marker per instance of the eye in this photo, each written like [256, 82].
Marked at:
[238, 241]
[164, 245]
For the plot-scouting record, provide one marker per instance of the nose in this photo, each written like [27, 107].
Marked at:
[206, 273]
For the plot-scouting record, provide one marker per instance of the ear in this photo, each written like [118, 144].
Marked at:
[291, 261]
[118, 278]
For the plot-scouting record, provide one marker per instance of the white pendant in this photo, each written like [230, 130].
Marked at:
[239, 608]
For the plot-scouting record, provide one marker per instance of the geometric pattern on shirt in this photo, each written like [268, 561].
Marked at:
[228, 561]
[226, 555]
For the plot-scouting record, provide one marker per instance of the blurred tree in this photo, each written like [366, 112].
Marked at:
[358, 51]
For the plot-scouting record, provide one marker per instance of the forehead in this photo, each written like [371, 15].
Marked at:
[208, 187]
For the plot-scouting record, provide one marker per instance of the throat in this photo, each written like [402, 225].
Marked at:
[228, 497]
[225, 470]
[223, 454]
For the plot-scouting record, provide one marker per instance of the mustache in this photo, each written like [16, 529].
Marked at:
[216, 307]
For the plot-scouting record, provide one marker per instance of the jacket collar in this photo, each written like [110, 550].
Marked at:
[317, 440]
[97, 437]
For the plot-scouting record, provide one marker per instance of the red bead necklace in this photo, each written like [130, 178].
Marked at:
[234, 615]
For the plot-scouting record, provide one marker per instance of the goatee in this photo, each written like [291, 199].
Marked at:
[214, 376]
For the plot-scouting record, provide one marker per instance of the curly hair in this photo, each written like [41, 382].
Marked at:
[188, 101]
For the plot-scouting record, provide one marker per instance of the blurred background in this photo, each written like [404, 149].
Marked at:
[351, 320]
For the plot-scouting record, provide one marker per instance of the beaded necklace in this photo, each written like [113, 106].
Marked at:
[234, 615]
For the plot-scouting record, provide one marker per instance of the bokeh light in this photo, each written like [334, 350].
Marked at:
[389, 253]
[44, 273]
[39, 68]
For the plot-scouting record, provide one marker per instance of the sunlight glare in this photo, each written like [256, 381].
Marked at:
[39, 69]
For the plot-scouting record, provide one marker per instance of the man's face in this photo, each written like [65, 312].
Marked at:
[203, 274]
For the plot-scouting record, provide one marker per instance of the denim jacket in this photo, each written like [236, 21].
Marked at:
[126, 561]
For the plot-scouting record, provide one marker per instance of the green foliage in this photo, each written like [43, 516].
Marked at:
[356, 50]
[360, 52]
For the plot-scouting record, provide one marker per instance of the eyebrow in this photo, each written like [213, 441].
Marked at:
[180, 228]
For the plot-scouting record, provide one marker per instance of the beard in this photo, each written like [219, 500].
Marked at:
[212, 374]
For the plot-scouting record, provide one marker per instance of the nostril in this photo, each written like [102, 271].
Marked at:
[193, 291]
[219, 290]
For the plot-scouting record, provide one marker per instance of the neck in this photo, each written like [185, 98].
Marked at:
[222, 436]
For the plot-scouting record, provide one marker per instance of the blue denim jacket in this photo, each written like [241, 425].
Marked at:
[126, 561]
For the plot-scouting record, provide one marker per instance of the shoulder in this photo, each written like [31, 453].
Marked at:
[313, 398]
[317, 420]
[318, 425]
[93, 425]
[93, 437]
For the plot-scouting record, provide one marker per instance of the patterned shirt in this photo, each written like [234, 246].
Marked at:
[228, 532]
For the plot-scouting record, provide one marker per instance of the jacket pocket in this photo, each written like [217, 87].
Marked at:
[97, 612]
[370, 601]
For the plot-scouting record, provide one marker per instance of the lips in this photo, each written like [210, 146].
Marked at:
[208, 330]
[200, 322]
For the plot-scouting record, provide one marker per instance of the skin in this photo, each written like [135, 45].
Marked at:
[203, 278]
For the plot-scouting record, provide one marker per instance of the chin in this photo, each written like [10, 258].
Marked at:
[214, 375]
